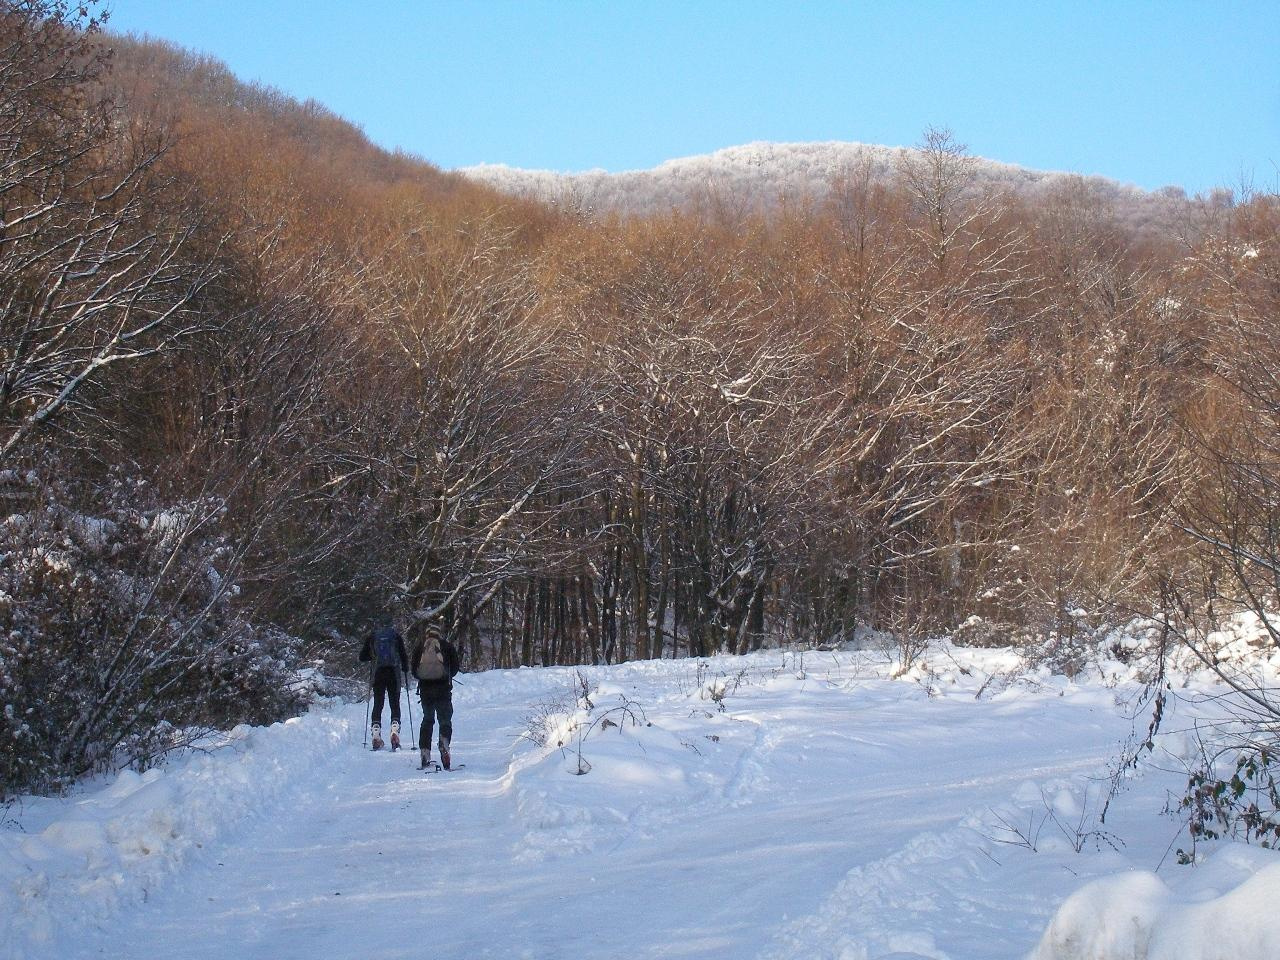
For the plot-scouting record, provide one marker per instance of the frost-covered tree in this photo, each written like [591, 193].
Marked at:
[1231, 516]
[101, 262]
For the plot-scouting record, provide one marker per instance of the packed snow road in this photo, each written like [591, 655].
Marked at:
[772, 806]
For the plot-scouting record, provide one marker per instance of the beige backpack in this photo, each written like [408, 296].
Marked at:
[431, 660]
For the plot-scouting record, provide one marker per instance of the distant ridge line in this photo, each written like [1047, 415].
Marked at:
[763, 173]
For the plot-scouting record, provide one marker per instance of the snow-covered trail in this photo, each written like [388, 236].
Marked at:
[371, 855]
[825, 812]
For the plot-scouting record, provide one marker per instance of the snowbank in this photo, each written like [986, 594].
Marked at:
[112, 845]
[1224, 908]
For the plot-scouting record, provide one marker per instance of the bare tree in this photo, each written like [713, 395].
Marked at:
[101, 259]
[475, 438]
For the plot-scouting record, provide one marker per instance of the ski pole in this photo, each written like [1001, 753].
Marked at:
[413, 731]
[365, 742]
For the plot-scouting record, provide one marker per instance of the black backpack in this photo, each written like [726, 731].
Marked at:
[384, 647]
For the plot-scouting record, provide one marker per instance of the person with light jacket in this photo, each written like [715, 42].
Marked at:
[435, 662]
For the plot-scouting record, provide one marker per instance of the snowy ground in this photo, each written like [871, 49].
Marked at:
[827, 811]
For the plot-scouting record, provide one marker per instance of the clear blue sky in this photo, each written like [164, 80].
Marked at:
[1152, 93]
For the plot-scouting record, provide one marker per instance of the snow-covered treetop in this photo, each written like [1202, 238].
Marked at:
[762, 174]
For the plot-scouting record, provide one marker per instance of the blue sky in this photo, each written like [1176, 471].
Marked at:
[1149, 93]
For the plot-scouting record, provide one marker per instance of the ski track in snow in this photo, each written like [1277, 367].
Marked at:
[826, 813]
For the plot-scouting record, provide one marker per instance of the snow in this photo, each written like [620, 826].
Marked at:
[79, 861]
[774, 806]
[1222, 909]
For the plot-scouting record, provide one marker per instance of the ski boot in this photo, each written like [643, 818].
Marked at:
[377, 736]
[395, 735]
[425, 756]
[444, 752]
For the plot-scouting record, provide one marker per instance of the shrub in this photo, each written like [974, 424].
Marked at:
[119, 634]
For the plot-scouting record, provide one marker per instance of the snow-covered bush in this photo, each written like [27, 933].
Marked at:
[554, 720]
[976, 631]
[565, 721]
[119, 637]
[1068, 647]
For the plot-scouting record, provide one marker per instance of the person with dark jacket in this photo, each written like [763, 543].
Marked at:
[435, 662]
[384, 650]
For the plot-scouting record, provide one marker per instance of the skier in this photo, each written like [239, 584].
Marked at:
[435, 661]
[384, 648]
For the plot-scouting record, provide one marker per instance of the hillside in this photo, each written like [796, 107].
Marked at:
[269, 150]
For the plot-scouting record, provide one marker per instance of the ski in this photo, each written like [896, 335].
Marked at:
[435, 767]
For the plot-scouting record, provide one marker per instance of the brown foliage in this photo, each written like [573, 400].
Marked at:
[570, 439]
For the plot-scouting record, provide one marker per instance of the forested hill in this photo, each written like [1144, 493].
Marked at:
[271, 143]
[261, 381]
[763, 175]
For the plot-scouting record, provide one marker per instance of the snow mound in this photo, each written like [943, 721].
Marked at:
[1227, 909]
[606, 772]
[112, 845]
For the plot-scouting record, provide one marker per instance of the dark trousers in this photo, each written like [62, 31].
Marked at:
[437, 701]
[385, 685]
